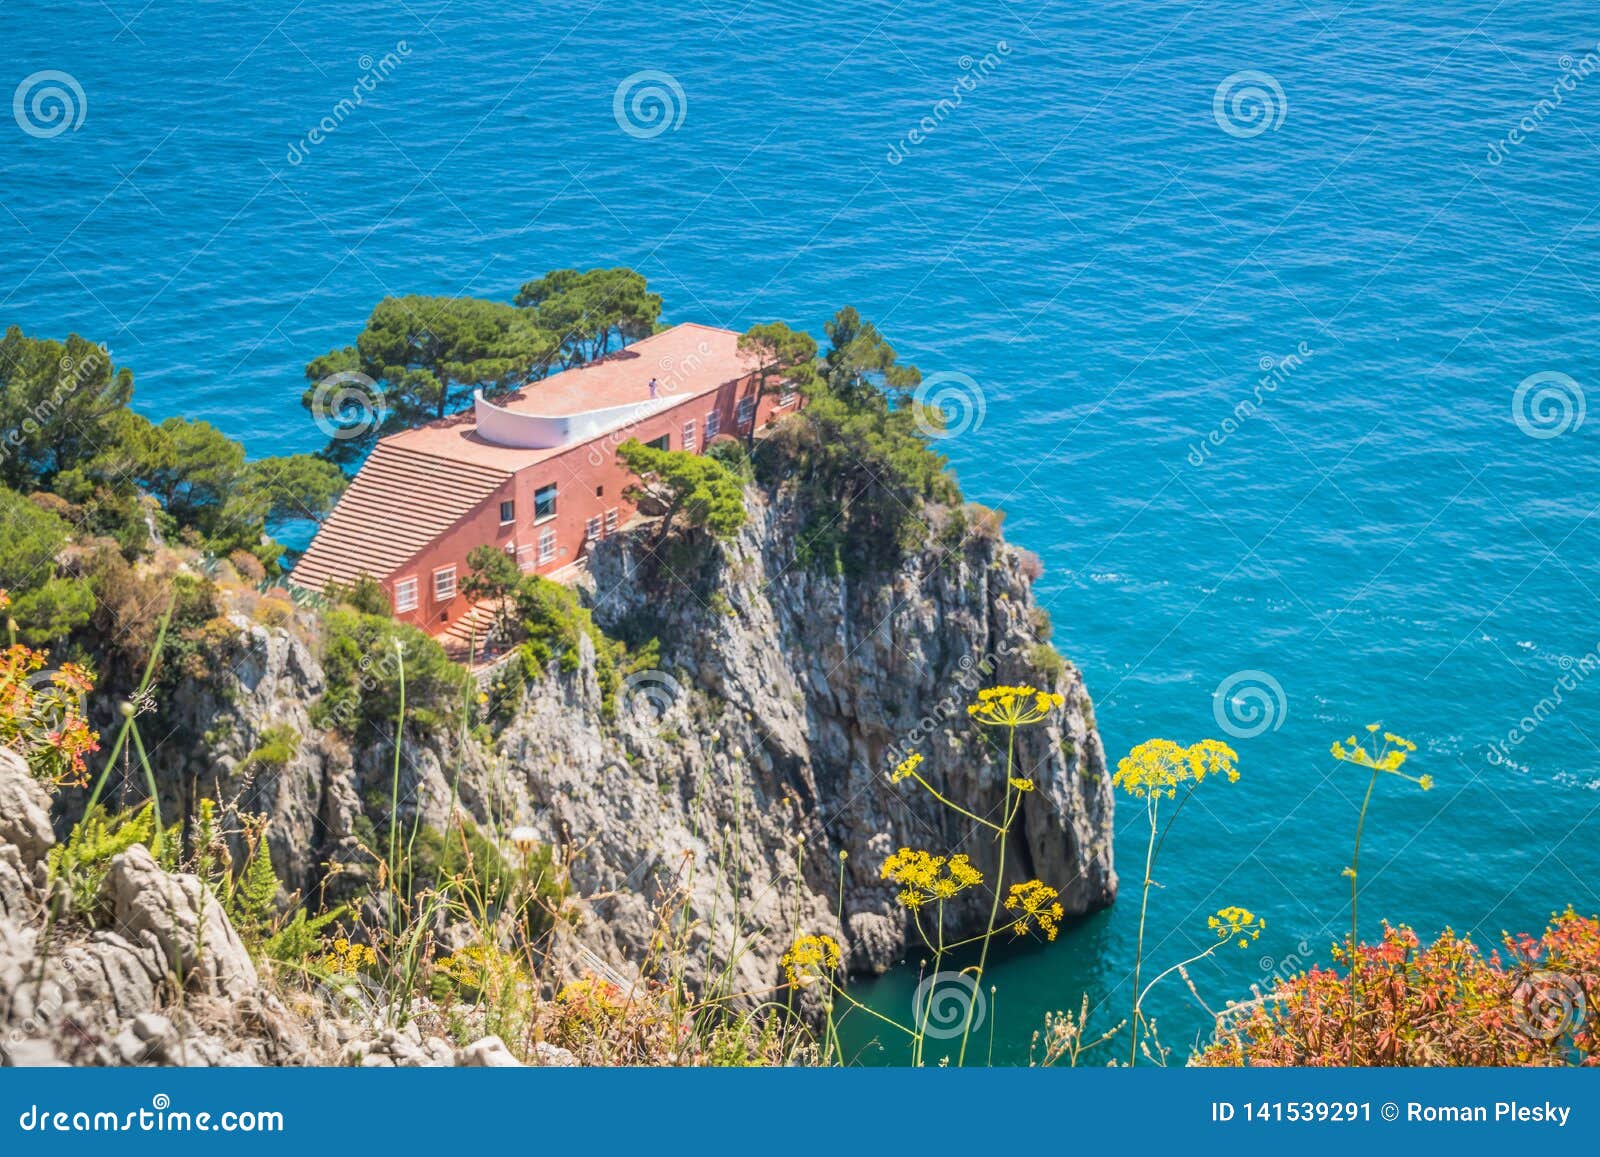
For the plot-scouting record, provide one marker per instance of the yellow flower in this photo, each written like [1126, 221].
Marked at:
[1213, 757]
[1035, 902]
[1388, 756]
[906, 768]
[344, 958]
[809, 958]
[1021, 784]
[924, 876]
[1158, 766]
[1233, 922]
[1013, 706]
[481, 967]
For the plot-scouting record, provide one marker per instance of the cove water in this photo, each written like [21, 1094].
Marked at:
[1237, 301]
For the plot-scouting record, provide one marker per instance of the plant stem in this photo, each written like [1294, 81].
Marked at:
[1181, 964]
[1355, 879]
[1152, 804]
[957, 808]
[994, 906]
[394, 781]
[870, 1011]
[921, 1021]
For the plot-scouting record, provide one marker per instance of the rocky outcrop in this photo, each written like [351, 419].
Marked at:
[749, 770]
[744, 775]
[161, 977]
[739, 783]
[182, 921]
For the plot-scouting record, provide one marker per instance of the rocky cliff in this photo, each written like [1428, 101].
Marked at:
[745, 773]
[158, 974]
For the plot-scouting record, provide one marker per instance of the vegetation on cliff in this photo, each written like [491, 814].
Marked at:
[697, 488]
[371, 661]
[79, 451]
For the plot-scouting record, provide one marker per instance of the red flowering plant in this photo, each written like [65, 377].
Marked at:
[41, 713]
[1535, 1002]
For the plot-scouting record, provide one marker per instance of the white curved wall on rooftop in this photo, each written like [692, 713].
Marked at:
[513, 428]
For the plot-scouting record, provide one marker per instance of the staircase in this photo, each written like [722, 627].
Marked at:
[467, 640]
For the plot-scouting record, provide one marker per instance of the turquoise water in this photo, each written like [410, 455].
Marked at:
[1081, 238]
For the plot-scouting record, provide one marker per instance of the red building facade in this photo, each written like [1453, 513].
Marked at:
[535, 474]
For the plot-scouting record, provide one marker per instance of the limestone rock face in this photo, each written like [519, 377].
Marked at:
[174, 914]
[743, 775]
[751, 770]
[741, 783]
[69, 995]
[24, 812]
[488, 1053]
[165, 979]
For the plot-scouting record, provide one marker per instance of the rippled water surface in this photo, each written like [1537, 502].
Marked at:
[1250, 397]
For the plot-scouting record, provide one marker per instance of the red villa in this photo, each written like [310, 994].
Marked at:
[535, 473]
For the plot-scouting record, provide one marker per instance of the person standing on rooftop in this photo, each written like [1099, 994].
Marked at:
[653, 387]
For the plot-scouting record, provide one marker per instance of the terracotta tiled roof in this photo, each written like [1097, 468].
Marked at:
[399, 502]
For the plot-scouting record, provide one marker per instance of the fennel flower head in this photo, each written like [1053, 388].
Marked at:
[1035, 903]
[1389, 754]
[524, 839]
[810, 958]
[1234, 922]
[1158, 766]
[923, 876]
[906, 768]
[1013, 706]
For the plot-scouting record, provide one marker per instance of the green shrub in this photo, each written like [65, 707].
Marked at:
[364, 594]
[865, 474]
[47, 606]
[1039, 620]
[362, 660]
[1047, 662]
[79, 865]
[279, 744]
[554, 623]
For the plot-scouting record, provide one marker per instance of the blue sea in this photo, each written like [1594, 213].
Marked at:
[1272, 327]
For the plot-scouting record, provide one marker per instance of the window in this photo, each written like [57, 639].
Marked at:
[444, 584]
[611, 520]
[405, 595]
[508, 512]
[547, 545]
[786, 394]
[713, 424]
[599, 491]
[591, 528]
[662, 443]
[525, 558]
[544, 502]
[688, 435]
[746, 413]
